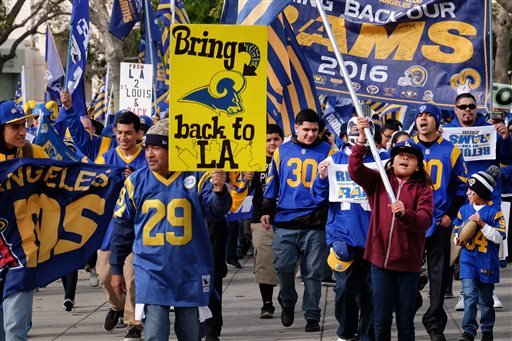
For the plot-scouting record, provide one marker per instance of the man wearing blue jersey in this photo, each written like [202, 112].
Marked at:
[161, 216]
[125, 152]
[445, 165]
[299, 223]
[347, 226]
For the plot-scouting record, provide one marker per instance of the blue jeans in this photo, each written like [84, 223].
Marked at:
[18, 315]
[157, 324]
[476, 292]
[353, 295]
[289, 247]
[394, 290]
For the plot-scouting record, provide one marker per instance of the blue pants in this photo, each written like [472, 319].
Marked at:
[18, 315]
[394, 290]
[306, 246]
[353, 299]
[157, 324]
[476, 292]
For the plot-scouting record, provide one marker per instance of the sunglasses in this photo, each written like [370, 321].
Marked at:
[467, 106]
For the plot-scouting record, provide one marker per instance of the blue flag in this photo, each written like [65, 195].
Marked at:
[77, 54]
[99, 102]
[52, 218]
[54, 71]
[51, 142]
[18, 95]
[125, 14]
[252, 12]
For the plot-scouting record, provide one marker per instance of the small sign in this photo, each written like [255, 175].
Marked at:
[136, 89]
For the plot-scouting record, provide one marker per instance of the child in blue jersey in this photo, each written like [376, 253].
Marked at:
[346, 231]
[479, 260]
[161, 216]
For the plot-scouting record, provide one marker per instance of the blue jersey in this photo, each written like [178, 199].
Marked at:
[479, 258]
[89, 144]
[293, 169]
[115, 157]
[345, 221]
[165, 220]
[445, 165]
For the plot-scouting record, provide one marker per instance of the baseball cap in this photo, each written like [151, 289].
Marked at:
[432, 110]
[341, 256]
[407, 147]
[11, 112]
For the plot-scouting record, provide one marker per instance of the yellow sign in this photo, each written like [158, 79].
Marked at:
[217, 115]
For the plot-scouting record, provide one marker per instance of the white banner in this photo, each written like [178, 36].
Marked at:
[135, 88]
[476, 143]
[342, 188]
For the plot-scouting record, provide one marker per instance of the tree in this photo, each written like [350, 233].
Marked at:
[41, 12]
[502, 26]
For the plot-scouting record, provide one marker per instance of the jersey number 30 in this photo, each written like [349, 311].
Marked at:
[178, 214]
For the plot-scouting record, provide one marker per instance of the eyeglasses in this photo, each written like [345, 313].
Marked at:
[466, 106]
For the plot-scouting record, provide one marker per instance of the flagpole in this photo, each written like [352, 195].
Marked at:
[68, 61]
[173, 12]
[355, 101]
[109, 99]
[23, 89]
[147, 23]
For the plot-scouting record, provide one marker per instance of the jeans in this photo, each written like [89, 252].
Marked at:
[289, 247]
[393, 290]
[437, 247]
[476, 292]
[353, 295]
[18, 315]
[157, 324]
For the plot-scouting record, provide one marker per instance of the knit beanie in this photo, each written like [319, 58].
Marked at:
[482, 183]
[157, 135]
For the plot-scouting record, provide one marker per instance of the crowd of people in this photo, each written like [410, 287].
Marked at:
[165, 248]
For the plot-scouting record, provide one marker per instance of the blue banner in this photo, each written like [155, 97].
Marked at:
[125, 14]
[52, 218]
[77, 54]
[51, 142]
[54, 71]
[400, 51]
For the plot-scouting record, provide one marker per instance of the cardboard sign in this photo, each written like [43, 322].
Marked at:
[218, 97]
[136, 88]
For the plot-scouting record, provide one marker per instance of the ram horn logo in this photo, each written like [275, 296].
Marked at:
[414, 76]
[222, 95]
[465, 81]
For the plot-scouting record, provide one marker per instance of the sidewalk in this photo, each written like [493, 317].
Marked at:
[241, 308]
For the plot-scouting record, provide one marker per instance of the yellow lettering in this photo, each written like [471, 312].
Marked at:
[159, 208]
[75, 222]
[338, 29]
[50, 175]
[440, 33]
[103, 180]
[404, 39]
[62, 183]
[185, 221]
[83, 177]
[17, 178]
[33, 176]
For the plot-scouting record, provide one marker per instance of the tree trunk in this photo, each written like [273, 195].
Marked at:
[113, 47]
[502, 28]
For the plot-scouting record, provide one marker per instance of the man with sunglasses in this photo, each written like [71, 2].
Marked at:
[467, 116]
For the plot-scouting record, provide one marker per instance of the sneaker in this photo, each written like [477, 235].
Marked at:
[460, 303]
[267, 311]
[211, 336]
[234, 262]
[112, 319]
[312, 326]
[466, 337]
[352, 339]
[133, 333]
[436, 336]
[287, 313]
[487, 336]
[497, 302]
[68, 304]
[328, 282]
[94, 280]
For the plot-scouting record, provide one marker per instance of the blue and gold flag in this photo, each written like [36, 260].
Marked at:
[125, 14]
[52, 218]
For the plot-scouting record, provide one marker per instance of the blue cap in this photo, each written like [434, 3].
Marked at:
[407, 147]
[146, 120]
[432, 110]
[11, 111]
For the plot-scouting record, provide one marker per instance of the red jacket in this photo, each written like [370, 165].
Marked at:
[393, 243]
